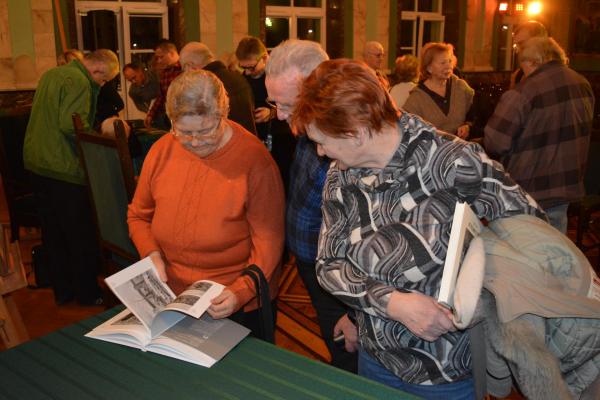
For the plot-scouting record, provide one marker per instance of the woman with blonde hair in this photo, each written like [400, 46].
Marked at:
[405, 76]
[441, 97]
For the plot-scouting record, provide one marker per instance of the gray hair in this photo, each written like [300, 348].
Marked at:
[540, 50]
[197, 93]
[372, 46]
[195, 53]
[105, 57]
[301, 55]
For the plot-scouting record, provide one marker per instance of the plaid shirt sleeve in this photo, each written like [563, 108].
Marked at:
[166, 77]
[506, 124]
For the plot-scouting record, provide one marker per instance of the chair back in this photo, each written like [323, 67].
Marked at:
[15, 179]
[111, 185]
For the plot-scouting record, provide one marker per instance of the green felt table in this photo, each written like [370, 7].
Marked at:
[67, 365]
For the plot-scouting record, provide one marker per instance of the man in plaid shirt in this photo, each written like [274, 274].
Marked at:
[541, 129]
[167, 61]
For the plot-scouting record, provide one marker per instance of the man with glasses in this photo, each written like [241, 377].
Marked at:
[196, 56]
[289, 64]
[252, 58]
[373, 55]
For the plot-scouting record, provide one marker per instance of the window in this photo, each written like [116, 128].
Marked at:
[294, 19]
[422, 22]
[129, 28]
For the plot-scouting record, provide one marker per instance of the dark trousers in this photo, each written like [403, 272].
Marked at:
[329, 311]
[69, 238]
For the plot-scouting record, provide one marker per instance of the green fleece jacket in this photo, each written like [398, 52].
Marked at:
[49, 148]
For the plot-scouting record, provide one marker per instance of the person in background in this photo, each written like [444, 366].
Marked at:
[373, 56]
[441, 98]
[541, 129]
[144, 86]
[68, 56]
[49, 152]
[388, 204]
[166, 60]
[109, 103]
[252, 58]
[405, 76]
[209, 201]
[197, 56]
[523, 32]
[289, 63]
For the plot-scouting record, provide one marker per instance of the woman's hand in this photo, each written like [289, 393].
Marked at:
[421, 314]
[345, 326]
[223, 305]
[159, 263]
[463, 131]
[262, 114]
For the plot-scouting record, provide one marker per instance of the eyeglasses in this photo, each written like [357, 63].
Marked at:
[284, 108]
[250, 67]
[206, 135]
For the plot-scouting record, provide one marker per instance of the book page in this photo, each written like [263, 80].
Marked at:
[141, 290]
[193, 301]
[202, 341]
[465, 226]
[124, 328]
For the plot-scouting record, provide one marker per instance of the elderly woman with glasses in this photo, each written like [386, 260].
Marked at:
[209, 201]
[388, 203]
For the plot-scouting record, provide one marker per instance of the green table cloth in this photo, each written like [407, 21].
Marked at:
[67, 365]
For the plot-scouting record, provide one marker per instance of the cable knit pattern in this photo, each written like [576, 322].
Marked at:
[211, 217]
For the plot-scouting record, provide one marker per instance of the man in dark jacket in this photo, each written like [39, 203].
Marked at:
[196, 55]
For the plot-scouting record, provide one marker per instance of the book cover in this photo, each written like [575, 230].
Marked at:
[465, 227]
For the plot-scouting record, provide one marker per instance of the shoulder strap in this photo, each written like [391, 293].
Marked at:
[264, 302]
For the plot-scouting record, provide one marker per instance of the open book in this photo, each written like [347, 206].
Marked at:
[465, 227]
[156, 320]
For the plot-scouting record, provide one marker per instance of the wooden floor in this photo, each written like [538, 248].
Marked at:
[297, 329]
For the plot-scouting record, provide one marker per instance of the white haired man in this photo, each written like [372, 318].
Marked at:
[68, 230]
[287, 67]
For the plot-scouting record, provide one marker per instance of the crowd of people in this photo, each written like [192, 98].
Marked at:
[353, 173]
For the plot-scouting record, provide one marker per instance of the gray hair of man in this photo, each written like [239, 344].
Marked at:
[105, 57]
[195, 55]
[302, 55]
[540, 50]
[197, 93]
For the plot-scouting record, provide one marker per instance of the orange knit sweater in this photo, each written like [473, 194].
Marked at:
[211, 217]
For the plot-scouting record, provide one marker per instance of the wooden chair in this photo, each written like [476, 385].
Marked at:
[16, 180]
[111, 185]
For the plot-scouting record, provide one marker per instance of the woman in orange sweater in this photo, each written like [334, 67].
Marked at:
[209, 201]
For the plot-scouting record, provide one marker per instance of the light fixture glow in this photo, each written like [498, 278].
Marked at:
[268, 22]
[503, 6]
[534, 8]
[310, 31]
[519, 7]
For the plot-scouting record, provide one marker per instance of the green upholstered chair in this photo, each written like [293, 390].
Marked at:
[111, 185]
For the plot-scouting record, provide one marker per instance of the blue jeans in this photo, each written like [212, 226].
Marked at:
[558, 217]
[372, 369]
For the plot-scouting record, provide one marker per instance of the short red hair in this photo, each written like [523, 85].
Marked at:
[340, 97]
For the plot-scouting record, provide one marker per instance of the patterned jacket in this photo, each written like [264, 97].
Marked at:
[540, 131]
[388, 229]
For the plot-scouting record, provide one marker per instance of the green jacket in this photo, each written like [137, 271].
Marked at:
[50, 148]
